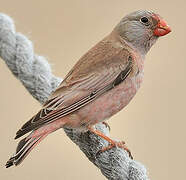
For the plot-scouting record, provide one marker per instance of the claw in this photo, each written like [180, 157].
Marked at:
[107, 125]
[120, 144]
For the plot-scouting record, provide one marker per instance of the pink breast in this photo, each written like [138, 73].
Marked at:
[111, 102]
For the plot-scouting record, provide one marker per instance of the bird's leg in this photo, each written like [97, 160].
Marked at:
[106, 124]
[112, 143]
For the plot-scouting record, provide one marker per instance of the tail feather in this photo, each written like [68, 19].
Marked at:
[23, 149]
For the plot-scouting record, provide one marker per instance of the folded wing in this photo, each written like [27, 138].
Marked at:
[77, 91]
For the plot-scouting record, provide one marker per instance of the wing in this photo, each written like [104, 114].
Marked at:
[84, 83]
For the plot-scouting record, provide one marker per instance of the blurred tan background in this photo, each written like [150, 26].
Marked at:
[153, 124]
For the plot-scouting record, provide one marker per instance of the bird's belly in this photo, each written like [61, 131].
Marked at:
[106, 105]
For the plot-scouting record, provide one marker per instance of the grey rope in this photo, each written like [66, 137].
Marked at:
[35, 74]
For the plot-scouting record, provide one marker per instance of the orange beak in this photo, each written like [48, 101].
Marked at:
[162, 28]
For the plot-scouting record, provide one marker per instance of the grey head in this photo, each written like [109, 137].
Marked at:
[141, 29]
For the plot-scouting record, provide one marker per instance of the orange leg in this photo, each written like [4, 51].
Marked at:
[112, 142]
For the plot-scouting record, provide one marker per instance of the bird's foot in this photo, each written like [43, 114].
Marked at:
[120, 144]
[112, 143]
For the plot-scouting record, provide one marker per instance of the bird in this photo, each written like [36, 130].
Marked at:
[100, 84]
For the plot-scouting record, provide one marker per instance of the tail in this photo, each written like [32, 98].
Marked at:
[23, 149]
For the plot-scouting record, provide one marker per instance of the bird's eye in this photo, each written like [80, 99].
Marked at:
[144, 20]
